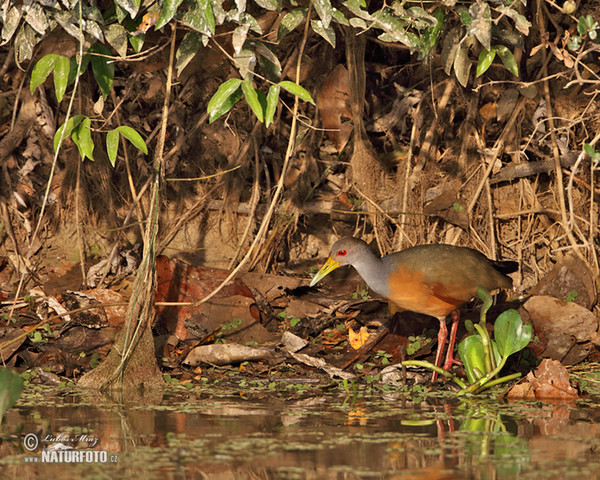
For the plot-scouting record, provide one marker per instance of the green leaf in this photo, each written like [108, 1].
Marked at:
[508, 59]
[11, 386]
[10, 24]
[62, 67]
[272, 100]
[130, 6]
[134, 137]
[116, 36]
[297, 90]
[226, 97]
[67, 128]
[588, 149]
[462, 62]
[470, 351]
[510, 333]
[168, 11]
[103, 68]
[188, 48]
[338, 17]
[269, 4]
[581, 26]
[201, 17]
[137, 42]
[324, 10]
[328, 33]
[112, 145]
[485, 60]
[481, 23]
[82, 137]
[521, 23]
[573, 294]
[251, 97]
[221, 98]
[487, 300]
[42, 69]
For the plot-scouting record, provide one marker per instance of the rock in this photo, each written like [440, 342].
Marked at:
[569, 275]
[565, 330]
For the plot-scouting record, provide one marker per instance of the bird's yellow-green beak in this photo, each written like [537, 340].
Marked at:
[329, 266]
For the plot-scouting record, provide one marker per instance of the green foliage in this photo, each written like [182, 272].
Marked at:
[482, 357]
[11, 386]
[293, 320]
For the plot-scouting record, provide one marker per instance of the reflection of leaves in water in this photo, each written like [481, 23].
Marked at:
[498, 437]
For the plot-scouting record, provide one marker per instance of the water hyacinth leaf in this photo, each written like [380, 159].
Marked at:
[471, 353]
[324, 10]
[102, 67]
[252, 99]
[112, 145]
[82, 137]
[67, 128]
[168, 11]
[508, 59]
[134, 137]
[42, 69]
[290, 21]
[510, 334]
[328, 33]
[481, 23]
[487, 300]
[485, 60]
[272, 100]
[297, 90]
[188, 48]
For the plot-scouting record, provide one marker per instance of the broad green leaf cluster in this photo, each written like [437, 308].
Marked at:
[464, 33]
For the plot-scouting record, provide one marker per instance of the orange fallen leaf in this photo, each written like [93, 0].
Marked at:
[357, 340]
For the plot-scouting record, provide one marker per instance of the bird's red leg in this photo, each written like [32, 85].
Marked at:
[450, 353]
[442, 334]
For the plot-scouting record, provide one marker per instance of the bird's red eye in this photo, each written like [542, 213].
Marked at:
[341, 253]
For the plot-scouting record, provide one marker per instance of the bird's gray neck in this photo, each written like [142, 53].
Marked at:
[374, 272]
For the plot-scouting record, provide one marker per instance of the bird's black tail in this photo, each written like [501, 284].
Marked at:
[505, 266]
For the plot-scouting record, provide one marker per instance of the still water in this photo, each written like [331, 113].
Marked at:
[294, 432]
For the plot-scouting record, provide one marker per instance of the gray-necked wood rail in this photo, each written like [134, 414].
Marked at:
[430, 279]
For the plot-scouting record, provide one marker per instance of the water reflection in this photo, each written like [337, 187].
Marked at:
[298, 435]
